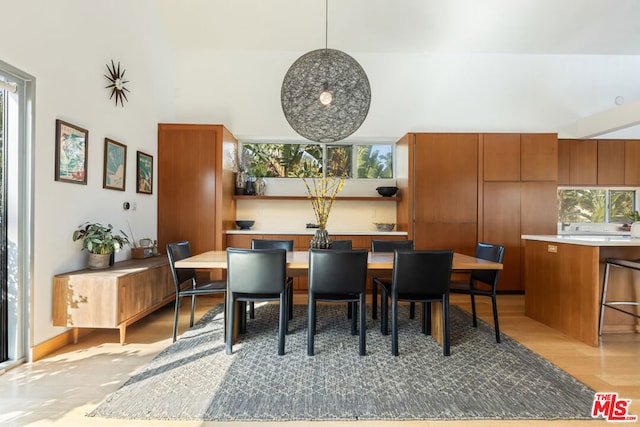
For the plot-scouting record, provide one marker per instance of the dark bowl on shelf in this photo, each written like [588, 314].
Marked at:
[245, 224]
[387, 191]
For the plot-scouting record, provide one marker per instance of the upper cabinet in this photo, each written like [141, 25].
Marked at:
[598, 162]
[520, 157]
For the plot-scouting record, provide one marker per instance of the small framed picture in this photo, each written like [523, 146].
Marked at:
[115, 165]
[71, 153]
[144, 172]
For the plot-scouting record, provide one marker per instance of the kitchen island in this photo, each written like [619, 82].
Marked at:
[563, 282]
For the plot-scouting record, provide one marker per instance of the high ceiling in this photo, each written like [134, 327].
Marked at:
[599, 27]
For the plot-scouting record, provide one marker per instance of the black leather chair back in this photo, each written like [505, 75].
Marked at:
[390, 245]
[341, 245]
[287, 245]
[489, 252]
[256, 271]
[337, 271]
[422, 273]
[176, 252]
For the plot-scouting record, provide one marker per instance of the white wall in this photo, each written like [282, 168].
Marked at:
[66, 46]
[414, 92]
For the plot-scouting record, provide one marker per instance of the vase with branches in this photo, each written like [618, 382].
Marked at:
[322, 191]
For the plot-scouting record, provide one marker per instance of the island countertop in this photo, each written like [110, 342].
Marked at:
[311, 232]
[586, 240]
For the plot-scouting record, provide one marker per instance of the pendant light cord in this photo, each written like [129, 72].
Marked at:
[326, 24]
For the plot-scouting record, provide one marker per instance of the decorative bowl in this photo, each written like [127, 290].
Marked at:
[245, 224]
[387, 191]
[384, 226]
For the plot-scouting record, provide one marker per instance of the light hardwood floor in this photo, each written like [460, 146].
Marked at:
[61, 388]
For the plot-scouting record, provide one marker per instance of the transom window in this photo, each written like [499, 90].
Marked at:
[295, 160]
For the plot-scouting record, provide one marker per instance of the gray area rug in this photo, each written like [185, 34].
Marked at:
[193, 379]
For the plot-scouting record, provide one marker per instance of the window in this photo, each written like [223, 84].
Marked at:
[595, 205]
[289, 160]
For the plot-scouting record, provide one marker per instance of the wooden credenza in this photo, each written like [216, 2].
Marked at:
[114, 297]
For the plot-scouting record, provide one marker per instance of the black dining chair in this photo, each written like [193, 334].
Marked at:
[421, 276]
[257, 275]
[274, 244]
[181, 276]
[483, 282]
[384, 283]
[344, 245]
[338, 276]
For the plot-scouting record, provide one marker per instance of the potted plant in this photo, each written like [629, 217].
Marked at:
[634, 217]
[100, 241]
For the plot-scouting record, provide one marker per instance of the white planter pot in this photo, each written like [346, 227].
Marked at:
[98, 261]
[635, 230]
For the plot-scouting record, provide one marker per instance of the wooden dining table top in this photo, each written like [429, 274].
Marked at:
[300, 260]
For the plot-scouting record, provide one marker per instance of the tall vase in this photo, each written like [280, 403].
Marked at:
[260, 186]
[321, 240]
[635, 230]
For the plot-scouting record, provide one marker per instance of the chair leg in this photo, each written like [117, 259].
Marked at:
[603, 298]
[412, 310]
[374, 300]
[230, 306]
[495, 318]
[283, 320]
[394, 325]
[384, 312]
[175, 318]
[290, 303]
[243, 317]
[362, 342]
[349, 310]
[354, 319]
[427, 318]
[311, 324]
[473, 310]
[446, 346]
[252, 310]
[224, 319]
[424, 318]
[193, 309]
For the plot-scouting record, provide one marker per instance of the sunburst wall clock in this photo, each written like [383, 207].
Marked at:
[117, 86]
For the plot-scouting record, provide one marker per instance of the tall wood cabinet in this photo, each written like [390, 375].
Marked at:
[518, 195]
[195, 185]
[439, 184]
[462, 188]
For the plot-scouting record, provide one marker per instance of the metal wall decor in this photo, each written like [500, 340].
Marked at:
[117, 82]
[325, 95]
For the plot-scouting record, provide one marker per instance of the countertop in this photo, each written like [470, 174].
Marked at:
[311, 232]
[586, 240]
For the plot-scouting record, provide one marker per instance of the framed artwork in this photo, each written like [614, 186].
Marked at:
[115, 165]
[144, 173]
[71, 153]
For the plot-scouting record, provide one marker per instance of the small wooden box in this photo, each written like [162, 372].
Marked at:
[139, 253]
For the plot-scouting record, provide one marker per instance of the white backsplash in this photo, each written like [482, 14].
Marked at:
[290, 215]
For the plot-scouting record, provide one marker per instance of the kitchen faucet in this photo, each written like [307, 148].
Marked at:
[564, 216]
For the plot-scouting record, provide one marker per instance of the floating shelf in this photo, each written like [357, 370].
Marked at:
[354, 198]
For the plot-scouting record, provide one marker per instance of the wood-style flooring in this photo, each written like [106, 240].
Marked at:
[61, 388]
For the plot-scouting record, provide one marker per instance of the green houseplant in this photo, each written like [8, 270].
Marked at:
[100, 241]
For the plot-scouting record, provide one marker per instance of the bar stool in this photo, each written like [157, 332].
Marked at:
[621, 263]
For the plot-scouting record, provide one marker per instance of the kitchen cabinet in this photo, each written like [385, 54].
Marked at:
[632, 162]
[195, 185]
[441, 171]
[501, 156]
[538, 157]
[606, 162]
[611, 162]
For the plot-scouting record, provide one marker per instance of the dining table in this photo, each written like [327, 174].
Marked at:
[378, 263]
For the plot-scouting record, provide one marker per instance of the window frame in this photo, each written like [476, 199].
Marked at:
[607, 191]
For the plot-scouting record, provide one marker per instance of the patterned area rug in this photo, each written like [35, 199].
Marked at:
[193, 379]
